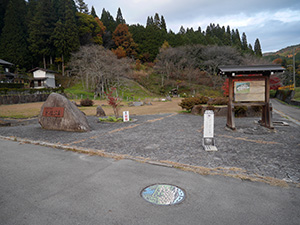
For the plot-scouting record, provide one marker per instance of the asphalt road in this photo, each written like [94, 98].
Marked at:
[41, 185]
[291, 112]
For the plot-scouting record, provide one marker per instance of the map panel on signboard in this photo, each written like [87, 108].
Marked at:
[249, 91]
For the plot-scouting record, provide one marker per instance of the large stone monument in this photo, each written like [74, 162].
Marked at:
[58, 113]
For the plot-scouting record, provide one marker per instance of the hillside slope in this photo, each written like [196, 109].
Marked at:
[286, 53]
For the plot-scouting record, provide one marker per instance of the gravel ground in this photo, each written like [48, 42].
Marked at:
[178, 138]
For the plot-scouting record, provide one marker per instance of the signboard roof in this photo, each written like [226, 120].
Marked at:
[256, 69]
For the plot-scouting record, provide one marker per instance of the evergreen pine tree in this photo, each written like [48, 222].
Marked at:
[108, 21]
[150, 21]
[236, 39]
[119, 18]
[163, 24]
[13, 41]
[93, 12]
[156, 20]
[250, 49]
[257, 48]
[3, 6]
[65, 36]
[182, 30]
[244, 42]
[41, 29]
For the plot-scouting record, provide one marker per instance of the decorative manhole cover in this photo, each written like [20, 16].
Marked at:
[163, 194]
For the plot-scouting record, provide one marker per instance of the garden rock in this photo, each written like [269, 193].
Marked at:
[169, 98]
[135, 104]
[58, 113]
[100, 111]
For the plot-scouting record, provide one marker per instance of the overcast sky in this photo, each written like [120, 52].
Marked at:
[276, 23]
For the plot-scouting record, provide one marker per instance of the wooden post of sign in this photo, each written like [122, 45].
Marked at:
[268, 117]
[230, 115]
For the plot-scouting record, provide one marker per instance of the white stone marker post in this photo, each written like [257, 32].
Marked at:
[126, 116]
[208, 140]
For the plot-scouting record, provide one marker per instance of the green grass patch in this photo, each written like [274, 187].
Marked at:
[297, 94]
[132, 90]
[77, 92]
[111, 119]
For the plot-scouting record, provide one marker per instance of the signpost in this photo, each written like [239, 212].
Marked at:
[208, 141]
[250, 86]
[126, 116]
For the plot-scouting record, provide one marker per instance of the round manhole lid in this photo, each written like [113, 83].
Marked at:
[163, 194]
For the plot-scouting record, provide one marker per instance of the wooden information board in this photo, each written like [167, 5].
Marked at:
[249, 91]
[53, 111]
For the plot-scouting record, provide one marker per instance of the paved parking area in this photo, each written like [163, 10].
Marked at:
[42, 185]
[176, 140]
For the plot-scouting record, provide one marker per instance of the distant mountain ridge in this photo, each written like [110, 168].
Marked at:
[285, 52]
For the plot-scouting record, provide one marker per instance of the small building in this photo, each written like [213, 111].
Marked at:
[5, 75]
[43, 78]
[8, 78]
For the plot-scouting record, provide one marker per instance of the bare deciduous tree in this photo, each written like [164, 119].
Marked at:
[190, 62]
[98, 68]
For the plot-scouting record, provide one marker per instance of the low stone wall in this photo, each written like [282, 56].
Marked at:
[222, 111]
[17, 99]
[295, 102]
[287, 96]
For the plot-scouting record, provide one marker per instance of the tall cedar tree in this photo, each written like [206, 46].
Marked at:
[257, 48]
[119, 18]
[65, 36]
[3, 6]
[244, 42]
[163, 24]
[93, 12]
[13, 43]
[156, 20]
[41, 30]
[122, 37]
[108, 21]
[150, 21]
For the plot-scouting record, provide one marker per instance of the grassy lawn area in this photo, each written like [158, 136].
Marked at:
[297, 94]
[33, 109]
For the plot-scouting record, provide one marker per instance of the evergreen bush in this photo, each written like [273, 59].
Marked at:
[189, 103]
[86, 102]
[240, 110]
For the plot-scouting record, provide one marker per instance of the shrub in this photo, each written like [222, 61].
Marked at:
[189, 103]
[257, 108]
[219, 101]
[240, 110]
[115, 102]
[86, 102]
[273, 93]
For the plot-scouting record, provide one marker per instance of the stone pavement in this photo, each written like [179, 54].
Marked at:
[176, 140]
